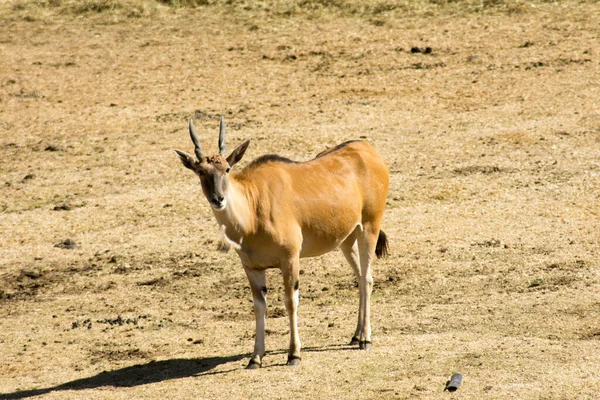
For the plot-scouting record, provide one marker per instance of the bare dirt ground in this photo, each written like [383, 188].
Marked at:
[493, 143]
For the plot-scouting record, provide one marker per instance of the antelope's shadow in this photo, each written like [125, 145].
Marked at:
[155, 371]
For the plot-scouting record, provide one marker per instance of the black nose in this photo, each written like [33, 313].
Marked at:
[217, 199]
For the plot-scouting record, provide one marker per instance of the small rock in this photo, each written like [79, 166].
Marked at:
[54, 148]
[30, 274]
[424, 50]
[67, 244]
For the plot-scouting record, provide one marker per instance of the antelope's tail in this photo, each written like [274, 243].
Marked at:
[382, 248]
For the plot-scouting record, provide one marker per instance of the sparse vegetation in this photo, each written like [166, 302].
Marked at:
[287, 8]
[110, 282]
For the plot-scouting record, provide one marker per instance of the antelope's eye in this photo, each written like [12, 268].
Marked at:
[201, 173]
[228, 169]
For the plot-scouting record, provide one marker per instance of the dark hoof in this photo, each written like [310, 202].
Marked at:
[354, 341]
[253, 365]
[293, 361]
[365, 345]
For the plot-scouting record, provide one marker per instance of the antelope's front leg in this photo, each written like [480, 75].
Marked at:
[291, 283]
[258, 284]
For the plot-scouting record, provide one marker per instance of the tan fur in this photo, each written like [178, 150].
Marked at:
[275, 212]
[305, 207]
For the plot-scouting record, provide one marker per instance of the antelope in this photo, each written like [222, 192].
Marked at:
[275, 211]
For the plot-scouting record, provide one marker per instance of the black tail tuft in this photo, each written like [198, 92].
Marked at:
[381, 248]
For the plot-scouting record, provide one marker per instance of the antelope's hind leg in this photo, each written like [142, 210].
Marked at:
[291, 283]
[350, 250]
[367, 240]
[258, 284]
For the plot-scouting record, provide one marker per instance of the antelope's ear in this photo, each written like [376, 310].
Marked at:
[187, 160]
[238, 153]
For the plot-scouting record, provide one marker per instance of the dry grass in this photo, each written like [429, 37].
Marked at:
[493, 144]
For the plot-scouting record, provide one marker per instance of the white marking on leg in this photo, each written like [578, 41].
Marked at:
[258, 284]
[366, 250]
[352, 256]
[292, 300]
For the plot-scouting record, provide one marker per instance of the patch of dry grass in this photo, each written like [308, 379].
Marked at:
[377, 11]
[492, 142]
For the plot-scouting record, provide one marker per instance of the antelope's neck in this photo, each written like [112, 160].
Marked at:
[236, 219]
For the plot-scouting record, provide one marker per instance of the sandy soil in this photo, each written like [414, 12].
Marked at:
[492, 138]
